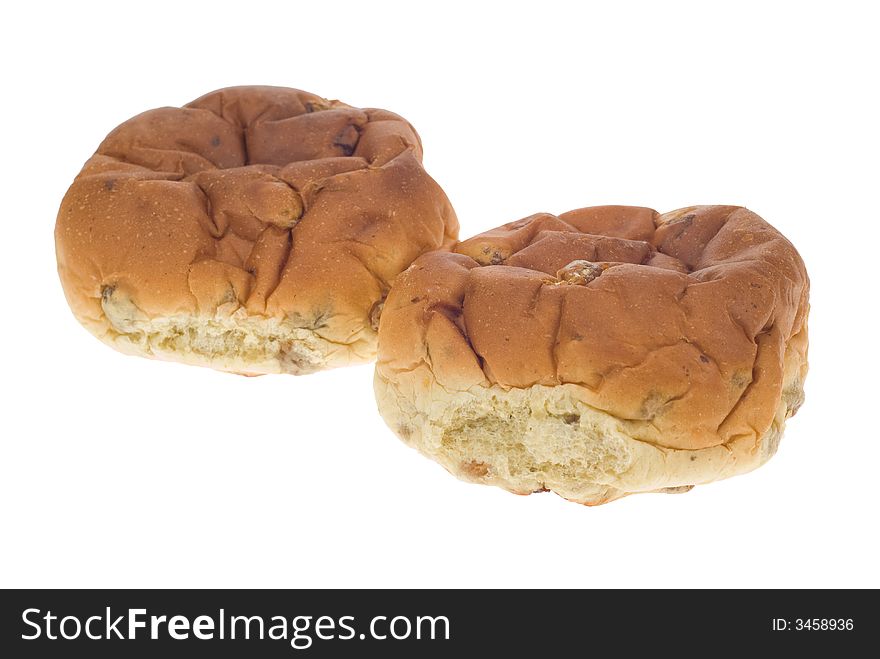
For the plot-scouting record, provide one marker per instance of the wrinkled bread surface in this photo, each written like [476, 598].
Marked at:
[253, 215]
[606, 351]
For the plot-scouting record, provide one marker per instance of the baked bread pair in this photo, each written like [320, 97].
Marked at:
[607, 351]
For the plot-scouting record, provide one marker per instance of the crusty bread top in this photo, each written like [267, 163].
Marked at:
[267, 199]
[677, 324]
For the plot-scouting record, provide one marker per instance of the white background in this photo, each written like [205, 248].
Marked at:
[119, 471]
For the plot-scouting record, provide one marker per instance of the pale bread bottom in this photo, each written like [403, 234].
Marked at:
[240, 343]
[544, 438]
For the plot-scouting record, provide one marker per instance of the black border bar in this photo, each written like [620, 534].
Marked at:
[513, 622]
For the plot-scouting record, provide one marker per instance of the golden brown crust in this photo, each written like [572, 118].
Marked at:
[688, 327]
[251, 202]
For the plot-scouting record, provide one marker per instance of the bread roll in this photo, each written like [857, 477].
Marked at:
[255, 230]
[607, 351]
